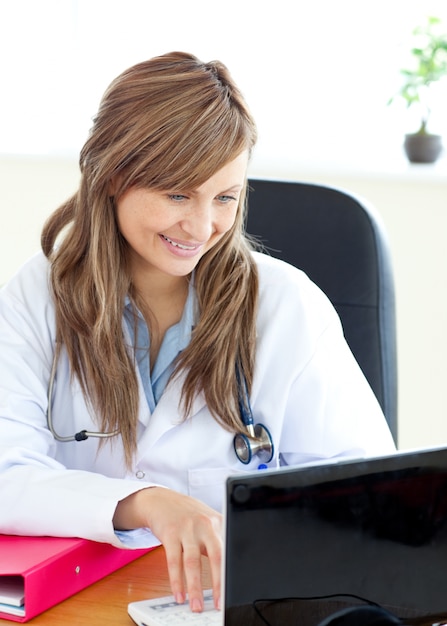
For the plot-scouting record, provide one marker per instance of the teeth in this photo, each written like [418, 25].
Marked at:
[178, 245]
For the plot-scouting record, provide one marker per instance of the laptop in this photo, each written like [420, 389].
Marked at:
[304, 542]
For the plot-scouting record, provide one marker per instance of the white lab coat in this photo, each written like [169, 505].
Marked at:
[308, 390]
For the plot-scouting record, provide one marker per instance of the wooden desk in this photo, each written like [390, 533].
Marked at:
[105, 602]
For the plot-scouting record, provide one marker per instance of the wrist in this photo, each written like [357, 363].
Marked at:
[131, 512]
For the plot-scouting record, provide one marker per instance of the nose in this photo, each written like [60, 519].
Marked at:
[198, 222]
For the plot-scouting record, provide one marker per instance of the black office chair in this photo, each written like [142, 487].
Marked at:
[339, 241]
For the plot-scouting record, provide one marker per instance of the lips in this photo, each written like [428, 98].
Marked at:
[179, 245]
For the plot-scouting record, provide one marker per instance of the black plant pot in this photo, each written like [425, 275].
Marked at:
[423, 147]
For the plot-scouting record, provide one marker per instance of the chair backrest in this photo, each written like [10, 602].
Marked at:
[340, 242]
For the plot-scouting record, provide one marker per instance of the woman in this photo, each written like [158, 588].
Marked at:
[149, 322]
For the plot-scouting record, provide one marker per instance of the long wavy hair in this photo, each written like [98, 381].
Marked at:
[170, 122]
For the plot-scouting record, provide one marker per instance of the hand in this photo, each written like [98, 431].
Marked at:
[187, 528]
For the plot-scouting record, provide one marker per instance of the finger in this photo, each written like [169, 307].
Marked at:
[215, 562]
[213, 550]
[192, 564]
[174, 561]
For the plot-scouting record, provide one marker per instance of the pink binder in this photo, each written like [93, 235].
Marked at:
[47, 570]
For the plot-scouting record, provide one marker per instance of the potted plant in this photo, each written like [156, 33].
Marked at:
[430, 65]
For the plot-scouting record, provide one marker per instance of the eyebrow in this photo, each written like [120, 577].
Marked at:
[232, 188]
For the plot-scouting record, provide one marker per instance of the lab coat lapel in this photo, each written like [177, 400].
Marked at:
[167, 414]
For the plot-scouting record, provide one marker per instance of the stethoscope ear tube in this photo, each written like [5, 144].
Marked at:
[262, 445]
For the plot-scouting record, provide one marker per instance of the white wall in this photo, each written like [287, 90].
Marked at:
[413, 204]
[317, 74]
[31, 188]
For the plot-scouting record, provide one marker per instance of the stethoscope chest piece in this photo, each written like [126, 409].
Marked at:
[261, 444]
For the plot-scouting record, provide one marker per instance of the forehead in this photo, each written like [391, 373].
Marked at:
[232, 174]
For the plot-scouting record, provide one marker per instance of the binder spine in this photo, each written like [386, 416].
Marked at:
[67, 572]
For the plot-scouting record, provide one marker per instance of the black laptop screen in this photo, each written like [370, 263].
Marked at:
[373, 530]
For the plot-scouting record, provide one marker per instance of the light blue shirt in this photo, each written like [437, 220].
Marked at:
[176, 339]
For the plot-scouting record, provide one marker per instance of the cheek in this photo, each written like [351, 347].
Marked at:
[226, 222]
[126, 225]
[135, 221]
[125, 216]
[138, 210]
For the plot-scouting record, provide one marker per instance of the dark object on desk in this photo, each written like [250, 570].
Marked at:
[306, 542]
[340, 242]
[361, 616]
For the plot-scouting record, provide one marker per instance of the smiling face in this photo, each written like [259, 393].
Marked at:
[168, 231]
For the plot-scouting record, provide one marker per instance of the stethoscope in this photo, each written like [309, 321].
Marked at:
[82, 435]
[258, 441]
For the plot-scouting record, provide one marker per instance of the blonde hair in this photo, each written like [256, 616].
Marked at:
[170, 122]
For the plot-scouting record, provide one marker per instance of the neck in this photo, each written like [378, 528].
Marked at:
[155, 286]
[162, 305]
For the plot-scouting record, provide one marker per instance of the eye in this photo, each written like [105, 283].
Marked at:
[226, 199]
[176, 197]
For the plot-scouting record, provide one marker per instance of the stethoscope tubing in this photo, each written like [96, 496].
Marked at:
[258, 442]
[82, 435]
